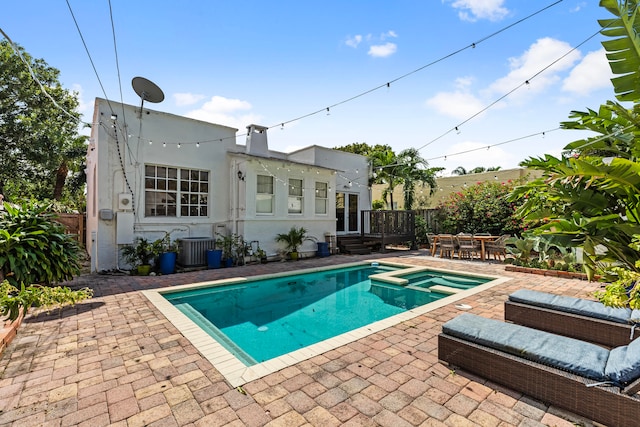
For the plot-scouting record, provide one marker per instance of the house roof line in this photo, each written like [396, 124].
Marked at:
[281, 159]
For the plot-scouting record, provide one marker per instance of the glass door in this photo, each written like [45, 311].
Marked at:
[347, 213]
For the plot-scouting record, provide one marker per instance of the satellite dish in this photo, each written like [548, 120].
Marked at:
[147, 91]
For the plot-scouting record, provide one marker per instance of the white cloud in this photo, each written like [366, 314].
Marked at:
[388, 34]
[182, 99]
[458, 104]
[591, 74]
[382, 50]
[473, 10]
[353, 41]
[539, 56]
[377, 47]
[226, 112]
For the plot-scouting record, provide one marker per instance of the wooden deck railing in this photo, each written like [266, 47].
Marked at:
[389, 226]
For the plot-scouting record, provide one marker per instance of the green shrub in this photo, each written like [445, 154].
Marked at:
[12, 300]
[34, 248]
[483, 207]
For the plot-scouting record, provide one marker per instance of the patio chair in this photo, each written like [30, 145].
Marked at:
[447, 245]
[574, 375]
[434, 244]
[572, 317]
[497, 248]
[468, 247]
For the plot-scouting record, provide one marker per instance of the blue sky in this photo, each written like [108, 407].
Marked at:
[241, 62]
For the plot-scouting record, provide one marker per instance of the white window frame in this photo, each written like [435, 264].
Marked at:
[263, 196]
[322, 198]
[168, 194]
[295, 201]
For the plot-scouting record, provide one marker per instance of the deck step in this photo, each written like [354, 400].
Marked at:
[357, 249]
[445, 289]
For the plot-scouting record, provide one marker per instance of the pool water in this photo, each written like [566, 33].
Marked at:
[262, 319]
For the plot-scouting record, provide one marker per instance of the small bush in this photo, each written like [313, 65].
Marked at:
[13, 301]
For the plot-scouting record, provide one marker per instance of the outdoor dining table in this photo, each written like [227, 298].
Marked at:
[481, 238]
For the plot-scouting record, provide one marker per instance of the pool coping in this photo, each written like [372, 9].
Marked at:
[237, 373]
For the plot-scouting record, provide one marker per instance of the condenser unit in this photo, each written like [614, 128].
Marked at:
[193, 250]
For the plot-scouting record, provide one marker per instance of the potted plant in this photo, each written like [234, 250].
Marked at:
[293, 239]
[241, 250]
[261, 255]
[226, 244]
[167, 253]
[140, 255]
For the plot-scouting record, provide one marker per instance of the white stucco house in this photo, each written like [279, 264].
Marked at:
[150, 172]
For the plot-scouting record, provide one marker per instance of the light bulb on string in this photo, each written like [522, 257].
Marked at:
[197, 145]
[150, 142]
[179, 145]
[164, 145]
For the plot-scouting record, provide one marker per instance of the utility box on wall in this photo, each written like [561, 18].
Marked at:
[125, 202]
[124, 228]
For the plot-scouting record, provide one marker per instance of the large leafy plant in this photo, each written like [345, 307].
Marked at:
[34, 248]
[590, 196]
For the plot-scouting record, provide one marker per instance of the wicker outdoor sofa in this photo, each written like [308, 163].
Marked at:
[578, 318]
[581, 377]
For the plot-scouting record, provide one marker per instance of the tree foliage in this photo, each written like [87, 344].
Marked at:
[39, 143]
[406, 168]
[590, 196]
[483, 207]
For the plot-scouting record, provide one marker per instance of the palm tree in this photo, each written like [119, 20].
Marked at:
[415, 171]
[459, 171]
[407, 168]
[385, 167]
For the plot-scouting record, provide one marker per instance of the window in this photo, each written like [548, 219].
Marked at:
[321, 198]
[169, 190]
[264, 196]
[295, 196]
[194, 192]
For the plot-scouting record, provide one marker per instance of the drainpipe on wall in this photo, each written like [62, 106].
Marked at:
[235, 196]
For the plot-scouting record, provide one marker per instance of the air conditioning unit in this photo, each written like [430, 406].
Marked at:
[193, 250]
[125, 201]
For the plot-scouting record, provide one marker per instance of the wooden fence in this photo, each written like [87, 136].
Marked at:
[75, 224]
[431, 217]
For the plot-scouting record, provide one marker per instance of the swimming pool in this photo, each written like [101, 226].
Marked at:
[257, 326]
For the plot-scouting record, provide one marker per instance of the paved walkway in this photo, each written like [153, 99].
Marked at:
[115, 360]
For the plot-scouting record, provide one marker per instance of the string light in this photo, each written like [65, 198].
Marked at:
[387, 84]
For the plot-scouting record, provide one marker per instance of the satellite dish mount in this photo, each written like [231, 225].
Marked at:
[147, 91]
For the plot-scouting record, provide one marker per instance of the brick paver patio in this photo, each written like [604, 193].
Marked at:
[115, 360]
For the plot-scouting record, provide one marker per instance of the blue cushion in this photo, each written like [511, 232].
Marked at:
[579, 357]
[623, 365]
[572, 305]
[635, 316]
